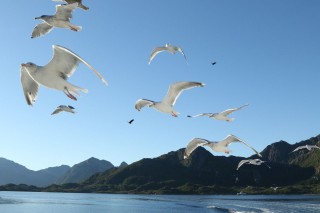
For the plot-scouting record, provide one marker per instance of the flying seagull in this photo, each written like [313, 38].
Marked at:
[61, 20]
[257, 162]
[130, 122]
[213, 63]
[53, 75]
[168, 47]
[80, 5]
[63, 108]
[166, 105]
[309, 147]
[220, 146]
[221, 115]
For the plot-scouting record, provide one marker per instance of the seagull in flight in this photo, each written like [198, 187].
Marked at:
[257, 162]
[80, 5]
[218, 146]
[53, 75]
[221, 115]
[309, 147]
[166, 105]
[61, 19]
[130, 122]
[168, 47]
[63, 108]
[213, 63]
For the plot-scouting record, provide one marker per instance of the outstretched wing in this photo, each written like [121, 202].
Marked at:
[231, 138]
[184, 55]
[41, 29]
[298, 148]
[202, 114]
[242, 162]
[30, 87]
[155, 52]
[229, 111]
[142, 103]
[64, 11]
[193, 144]
[176, 89]
[58, 110]
[65, 62]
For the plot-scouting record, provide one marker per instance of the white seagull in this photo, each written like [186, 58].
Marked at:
[80, 5]
[257, 162]
[53, 75]
[168, 47]
[220, 146]
[166, 105]
[61, 20]
[63, 108]
[221, 115]
[309, 147]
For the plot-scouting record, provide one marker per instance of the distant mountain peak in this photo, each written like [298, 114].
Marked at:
[83, 170]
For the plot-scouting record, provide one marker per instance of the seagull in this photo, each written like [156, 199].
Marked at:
[220, 146]
[63, 108]
[168, 47]
[257, 162]
[61, 20]
[53, 75]
[166, 105]
[213, 63]
[130, 122]
[221, 115]
[80, 5]
[309, 147]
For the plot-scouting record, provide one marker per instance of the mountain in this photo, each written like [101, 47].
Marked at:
[81, 171]
[18, 174]
[202, 172]
[123, 164]
[281, 152]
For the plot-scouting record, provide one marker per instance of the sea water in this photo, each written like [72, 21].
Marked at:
[39, 202]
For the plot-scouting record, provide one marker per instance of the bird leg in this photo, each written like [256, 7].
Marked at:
[174, 115]
[66, 91]
[74, 29]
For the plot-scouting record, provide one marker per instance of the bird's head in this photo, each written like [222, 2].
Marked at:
[30, 67]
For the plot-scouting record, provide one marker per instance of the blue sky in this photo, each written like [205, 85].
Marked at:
[267, 54]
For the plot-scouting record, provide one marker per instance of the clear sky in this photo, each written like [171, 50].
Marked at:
[267, 54]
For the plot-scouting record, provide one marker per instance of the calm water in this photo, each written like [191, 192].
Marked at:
[27, 202]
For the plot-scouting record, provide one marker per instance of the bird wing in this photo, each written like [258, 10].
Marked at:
[231, 138]
[202, 114]
[314, 146]
[65, 62]
[142, 103]
[241, 163]
[41, 29]
[229, 111]
[71, 107]
[64, 11]
[155, 51]
[184, 55]
[298, 148]
[193, 144]
[176, 89]
[30, 87]
[58, 110]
